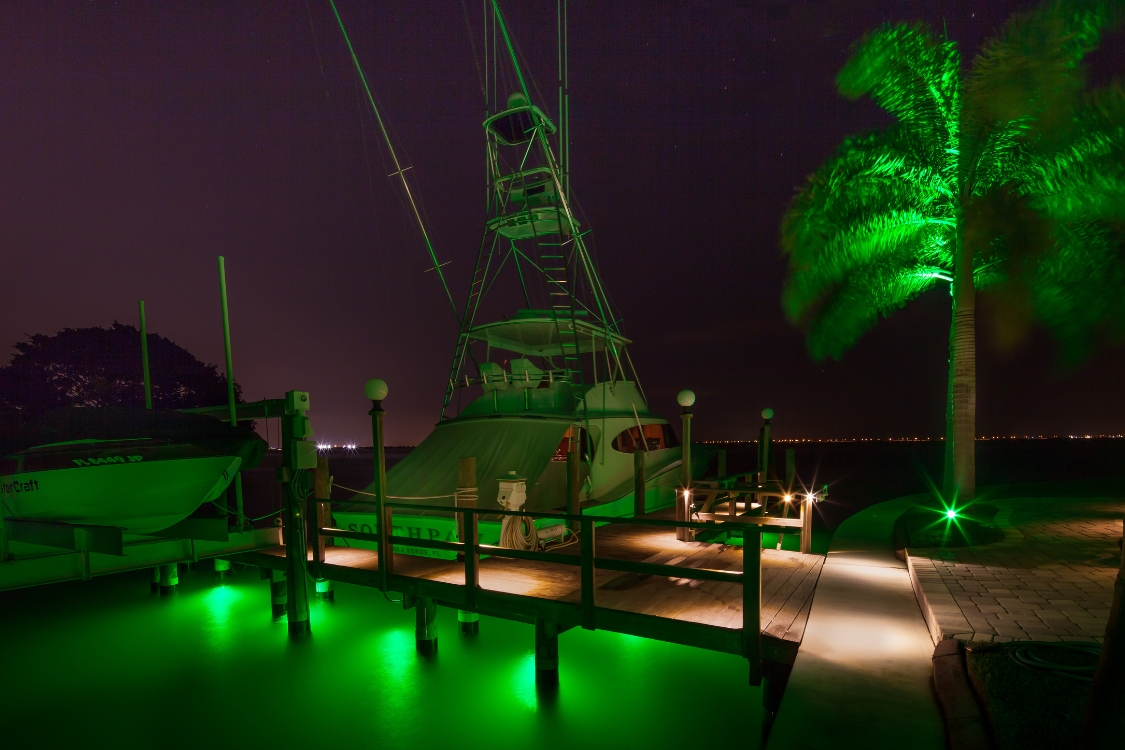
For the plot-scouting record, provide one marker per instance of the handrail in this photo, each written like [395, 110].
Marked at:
[605, 563]
[765, 522]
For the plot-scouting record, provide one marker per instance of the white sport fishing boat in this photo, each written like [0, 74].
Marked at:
[523, 387]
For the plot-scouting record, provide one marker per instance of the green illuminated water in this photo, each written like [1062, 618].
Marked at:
[107, 660]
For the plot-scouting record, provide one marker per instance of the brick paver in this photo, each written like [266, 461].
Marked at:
[1050, 578]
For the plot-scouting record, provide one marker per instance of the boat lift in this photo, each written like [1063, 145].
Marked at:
[35, 552]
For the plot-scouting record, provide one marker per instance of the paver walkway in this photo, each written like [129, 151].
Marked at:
[863, 675]
[1050, 578]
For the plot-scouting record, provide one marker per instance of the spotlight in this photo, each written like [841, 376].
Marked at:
[951, 514]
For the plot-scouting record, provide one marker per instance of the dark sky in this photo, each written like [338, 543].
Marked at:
[140, 140]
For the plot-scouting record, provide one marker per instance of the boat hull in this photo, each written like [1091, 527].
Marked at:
[140, 497]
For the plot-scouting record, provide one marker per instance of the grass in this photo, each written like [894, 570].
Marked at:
[930, 526]
[1028, 708]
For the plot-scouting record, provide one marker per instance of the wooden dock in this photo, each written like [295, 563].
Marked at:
[687, 610]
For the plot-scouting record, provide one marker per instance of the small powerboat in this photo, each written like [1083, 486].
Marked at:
[139, 470]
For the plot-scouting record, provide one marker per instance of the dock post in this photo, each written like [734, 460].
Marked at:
[425, 626]
[752, 601]
[790, 475]
[169, 578]
[639, 482]
[546, 653]
[278, 594]
[376, 390]
[296, 563]
[154, 583]
[722, 463]
[764, 459]
[465, 496]
[573, 477]
[318, 516]
[470, 621]
[806, 524]
[685, 398]
[222, 568]
[586, 581]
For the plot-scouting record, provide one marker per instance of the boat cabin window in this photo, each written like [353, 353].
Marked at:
[657, 437]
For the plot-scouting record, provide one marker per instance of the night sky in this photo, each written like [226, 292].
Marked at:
[140, 140]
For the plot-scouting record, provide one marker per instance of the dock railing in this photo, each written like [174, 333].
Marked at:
[469, 549]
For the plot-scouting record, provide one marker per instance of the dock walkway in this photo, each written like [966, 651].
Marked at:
[863, 676]
[787, 585]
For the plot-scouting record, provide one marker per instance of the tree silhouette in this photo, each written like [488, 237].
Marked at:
[1009, 175]
[102, 367]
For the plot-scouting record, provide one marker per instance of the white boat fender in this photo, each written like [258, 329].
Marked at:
[552, 532]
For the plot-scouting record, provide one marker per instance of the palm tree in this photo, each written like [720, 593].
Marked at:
[1006, 174]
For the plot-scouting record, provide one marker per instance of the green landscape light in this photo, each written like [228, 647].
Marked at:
[951, 514]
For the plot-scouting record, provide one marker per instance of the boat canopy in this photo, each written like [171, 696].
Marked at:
[540, 333]
[500, 445]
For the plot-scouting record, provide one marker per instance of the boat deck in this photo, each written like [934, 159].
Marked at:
[788, 581]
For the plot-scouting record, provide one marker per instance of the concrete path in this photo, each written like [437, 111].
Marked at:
[863, 675]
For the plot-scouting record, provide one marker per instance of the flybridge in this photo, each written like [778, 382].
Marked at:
[545, 334]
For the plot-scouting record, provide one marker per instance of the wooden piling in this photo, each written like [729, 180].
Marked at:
[683, 499]
[169, 578]
[278, 594]
[573, 476]
[296, 560]
[790, 475]
[546, 653]
[425, 625]
[752, 601]
[376, 390]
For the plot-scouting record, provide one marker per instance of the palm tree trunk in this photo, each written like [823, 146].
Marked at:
[947, 468]
[964, 375]
[1104, 725]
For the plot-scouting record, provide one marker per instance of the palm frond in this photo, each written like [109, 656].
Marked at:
[1085, 178]
[1078, 289]
[913, 75]
[874, 203]
[856, 305]
[1032, 71]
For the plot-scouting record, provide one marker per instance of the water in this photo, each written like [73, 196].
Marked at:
[106, 660]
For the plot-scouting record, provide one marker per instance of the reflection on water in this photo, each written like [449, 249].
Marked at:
[209, 668]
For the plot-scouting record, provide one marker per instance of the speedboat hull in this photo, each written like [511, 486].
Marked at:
[139, 497]
[139, 471]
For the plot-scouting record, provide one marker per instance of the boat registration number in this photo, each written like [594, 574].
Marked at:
[100, 460]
